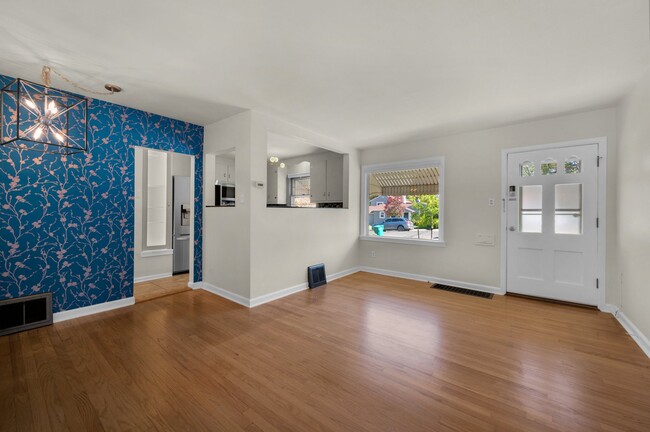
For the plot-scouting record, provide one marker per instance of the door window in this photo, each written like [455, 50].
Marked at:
[530, 210]
[568, 208]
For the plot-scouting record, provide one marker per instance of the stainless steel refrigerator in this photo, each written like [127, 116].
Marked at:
[182, 219]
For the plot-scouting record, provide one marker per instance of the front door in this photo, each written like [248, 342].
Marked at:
[552, 210]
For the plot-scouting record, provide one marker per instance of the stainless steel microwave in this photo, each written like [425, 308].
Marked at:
[224, 195]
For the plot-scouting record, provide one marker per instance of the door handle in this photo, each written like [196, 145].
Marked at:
[512, 228]
[182, 238]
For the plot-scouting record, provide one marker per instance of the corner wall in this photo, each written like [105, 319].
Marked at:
[284, 241]
[253, 251]
[472, 176]
[226, 230]
[634, 206]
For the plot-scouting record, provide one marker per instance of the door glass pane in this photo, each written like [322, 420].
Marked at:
[530, 209]
[549, 167]
[527, 169]
[568, 208]
[573, 165]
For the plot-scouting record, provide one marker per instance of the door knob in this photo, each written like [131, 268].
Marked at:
[512, 228]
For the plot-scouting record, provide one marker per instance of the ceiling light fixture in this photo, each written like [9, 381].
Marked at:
[39, 117]
[273, 161]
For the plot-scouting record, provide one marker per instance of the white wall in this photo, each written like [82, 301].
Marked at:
[634, 205]
[472, 176]
[226, 230]
[284, 241]
[252, 250]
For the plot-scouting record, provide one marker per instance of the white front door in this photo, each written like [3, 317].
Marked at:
[552, 210]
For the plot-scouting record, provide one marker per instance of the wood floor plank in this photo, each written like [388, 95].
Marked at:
[363, 353]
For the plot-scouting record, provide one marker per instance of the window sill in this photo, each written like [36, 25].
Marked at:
[156, 252]
[434, 243]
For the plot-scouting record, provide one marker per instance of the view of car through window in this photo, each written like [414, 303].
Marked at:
[404, 216]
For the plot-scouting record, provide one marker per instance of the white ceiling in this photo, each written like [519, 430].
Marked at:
[364, 71]
[285, 147]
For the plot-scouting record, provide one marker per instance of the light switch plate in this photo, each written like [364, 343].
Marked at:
[484, 239]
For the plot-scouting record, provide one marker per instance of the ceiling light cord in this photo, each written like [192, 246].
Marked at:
[45, 76]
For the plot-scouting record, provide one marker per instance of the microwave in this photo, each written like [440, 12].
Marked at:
[224, 195]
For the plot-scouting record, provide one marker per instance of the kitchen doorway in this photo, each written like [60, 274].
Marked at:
[164, 219]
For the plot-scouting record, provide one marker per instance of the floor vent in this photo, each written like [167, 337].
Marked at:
[316, 275]
[24, 313]
[462, 291]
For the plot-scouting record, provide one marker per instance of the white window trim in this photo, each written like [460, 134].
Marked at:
[382, 215]
[366, 170]
[156, 252]
[145, 197]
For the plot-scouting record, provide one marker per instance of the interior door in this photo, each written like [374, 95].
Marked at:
[552, 237]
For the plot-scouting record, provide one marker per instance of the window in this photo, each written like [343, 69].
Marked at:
[404, 202]
[157, 170]
[549, 167]
[300, 192]
[527, 169]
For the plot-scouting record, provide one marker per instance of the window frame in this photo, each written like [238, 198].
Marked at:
[166, 249]
[291, 178]
[366, 170]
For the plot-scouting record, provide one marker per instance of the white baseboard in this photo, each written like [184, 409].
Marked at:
[195, 285]
[608, 308]
[228, 295]
[297, 288]
[250, 303]
[636, 334]
[424, 278]
[151, 277]
[90, 310]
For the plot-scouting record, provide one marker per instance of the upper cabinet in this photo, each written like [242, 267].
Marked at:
[219, 179]
[327, 179]
[224, 171]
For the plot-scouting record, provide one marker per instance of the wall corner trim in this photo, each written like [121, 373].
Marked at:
[91, 310]
[424, 278]
[634, 332]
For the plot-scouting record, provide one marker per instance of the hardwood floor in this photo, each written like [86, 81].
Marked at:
[143, 291]
[364, 353]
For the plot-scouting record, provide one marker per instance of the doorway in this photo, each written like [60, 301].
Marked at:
[163, 222]
[553, 241]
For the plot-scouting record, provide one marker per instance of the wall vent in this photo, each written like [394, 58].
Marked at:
[316, 275]
[24, 313]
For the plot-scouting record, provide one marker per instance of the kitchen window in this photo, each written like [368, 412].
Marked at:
[300, 192]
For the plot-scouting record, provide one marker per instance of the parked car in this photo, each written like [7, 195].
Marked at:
[398, 223]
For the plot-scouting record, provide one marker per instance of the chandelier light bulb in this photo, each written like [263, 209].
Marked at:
[38, 132]
[52, 108]
[273, 159]
[282, 165]
[59, 136]
[29, 103]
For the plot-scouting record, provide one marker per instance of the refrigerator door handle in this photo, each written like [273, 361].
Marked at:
[182, 238]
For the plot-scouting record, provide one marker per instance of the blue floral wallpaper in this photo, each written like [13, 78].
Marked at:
[66, 222]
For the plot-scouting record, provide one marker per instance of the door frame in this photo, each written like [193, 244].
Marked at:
[602, 209]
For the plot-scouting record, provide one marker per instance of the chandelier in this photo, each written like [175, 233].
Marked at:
[273, 161]
[38, 117]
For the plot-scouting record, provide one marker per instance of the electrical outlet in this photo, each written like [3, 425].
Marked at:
[373, 254]
[491, 202]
